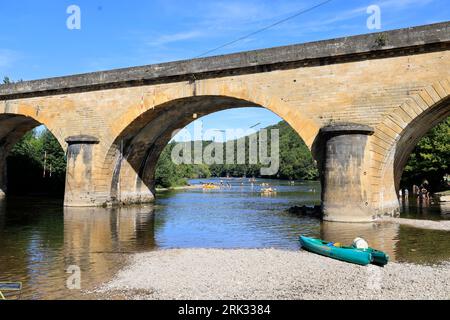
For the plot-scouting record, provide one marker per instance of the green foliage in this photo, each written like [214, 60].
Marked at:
[26, 163]
[430, 159]
[168, 174]
[296, 160]
[6, 80]
[56, 159]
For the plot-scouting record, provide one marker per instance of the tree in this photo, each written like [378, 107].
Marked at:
[168, 174]
[36, 152]
[430, 159]
[56, 159]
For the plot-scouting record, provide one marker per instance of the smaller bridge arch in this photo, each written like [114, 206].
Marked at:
[398, 134]
[13, 126]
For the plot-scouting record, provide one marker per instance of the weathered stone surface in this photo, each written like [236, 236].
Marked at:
[115, 124]
[82, 139]
[343, 175]
[80, 181]
[346, 128]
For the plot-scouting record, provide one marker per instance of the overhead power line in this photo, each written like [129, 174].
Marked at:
[303, 11]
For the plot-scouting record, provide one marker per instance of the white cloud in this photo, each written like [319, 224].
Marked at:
[175, 37]
[227, 18]
[212, 19]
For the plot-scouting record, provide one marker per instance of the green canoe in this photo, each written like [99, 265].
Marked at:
[348, 254]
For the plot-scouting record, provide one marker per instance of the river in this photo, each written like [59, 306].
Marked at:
[40, 239]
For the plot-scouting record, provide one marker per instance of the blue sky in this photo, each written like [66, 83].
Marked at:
[35, 42]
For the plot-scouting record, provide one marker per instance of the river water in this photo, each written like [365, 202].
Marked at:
[39, 239]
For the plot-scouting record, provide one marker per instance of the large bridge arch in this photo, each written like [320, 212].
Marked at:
[242, 90]
[395, 138]
[131, 160]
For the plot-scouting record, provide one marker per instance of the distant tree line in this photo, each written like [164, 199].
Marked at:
[296, 162]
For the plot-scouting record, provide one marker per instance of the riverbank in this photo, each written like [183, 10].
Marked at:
[269, 274]
[187, 187]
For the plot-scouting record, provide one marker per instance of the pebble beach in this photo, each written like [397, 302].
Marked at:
[269, 274]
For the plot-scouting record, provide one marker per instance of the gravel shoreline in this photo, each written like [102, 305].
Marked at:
[269, 274]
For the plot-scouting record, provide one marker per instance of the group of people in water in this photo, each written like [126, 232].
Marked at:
[421, 192]
[211, 185]
[265, 187]
[221, 185]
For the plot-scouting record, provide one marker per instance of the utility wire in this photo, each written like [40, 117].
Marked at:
[265, 28]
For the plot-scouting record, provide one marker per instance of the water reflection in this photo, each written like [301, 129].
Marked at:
[422, 245]
[431, 209]
[96, 239]
[382, 236]
[444, 203]
[39, 245]
[113, 230]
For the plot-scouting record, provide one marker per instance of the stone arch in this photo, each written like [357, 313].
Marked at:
[34, 112]
[154, 97]
[142, 140]
[13, 126]
[397, 135]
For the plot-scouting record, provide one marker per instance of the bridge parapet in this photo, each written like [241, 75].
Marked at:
[407, 41]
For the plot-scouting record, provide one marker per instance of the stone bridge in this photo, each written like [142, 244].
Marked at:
[360, 103]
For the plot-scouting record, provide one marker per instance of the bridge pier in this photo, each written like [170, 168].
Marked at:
[80, 178]
[344, 177]
[128, 187]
